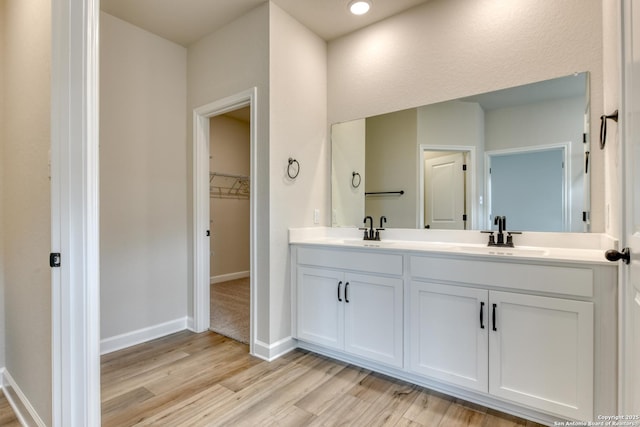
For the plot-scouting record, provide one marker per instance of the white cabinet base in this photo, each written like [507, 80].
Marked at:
[448, 339]
[541, 353]
[555, 325]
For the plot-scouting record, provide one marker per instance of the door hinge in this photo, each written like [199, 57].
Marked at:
[208, 233]
[585, 216]
[464, 167]
[464, 217]
[54, 259]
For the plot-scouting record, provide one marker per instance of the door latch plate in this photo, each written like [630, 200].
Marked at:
[54, 259]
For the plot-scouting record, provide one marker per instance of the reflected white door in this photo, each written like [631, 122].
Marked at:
[444, 192]
[630, 274]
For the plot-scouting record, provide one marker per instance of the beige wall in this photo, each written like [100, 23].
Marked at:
[218, 68]
[298, 129]
[392, 166]
[143, 179]
[440, 124]
[348, 142]
[26, 58]
[287, 63]
[229, 151]
[542, 123]
[447, 49]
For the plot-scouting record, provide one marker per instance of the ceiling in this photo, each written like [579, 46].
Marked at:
[563, 87]
[187, 21]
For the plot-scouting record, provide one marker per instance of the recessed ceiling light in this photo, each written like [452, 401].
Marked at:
[359, 7]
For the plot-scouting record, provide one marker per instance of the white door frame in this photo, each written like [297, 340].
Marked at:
[75, 231]
[475, 214]
[628, 295]
[201, 242]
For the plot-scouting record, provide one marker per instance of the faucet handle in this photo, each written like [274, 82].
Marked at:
[492, 240]
[366, 233]
[510, 237]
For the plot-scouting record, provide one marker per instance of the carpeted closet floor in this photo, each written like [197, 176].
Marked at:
[230, 312]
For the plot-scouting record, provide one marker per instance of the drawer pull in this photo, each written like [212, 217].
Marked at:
[494, 317]
[482, 315]
[339, 284]
[346, 292]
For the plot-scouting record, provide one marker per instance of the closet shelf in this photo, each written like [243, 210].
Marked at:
[228, 186]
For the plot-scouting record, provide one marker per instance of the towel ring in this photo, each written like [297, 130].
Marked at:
[603, 127]
[353, 180]
[295, 168]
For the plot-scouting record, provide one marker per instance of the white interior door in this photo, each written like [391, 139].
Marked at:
[630, 274]
[444, 192]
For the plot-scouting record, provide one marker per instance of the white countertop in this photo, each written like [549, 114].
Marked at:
[558, 247]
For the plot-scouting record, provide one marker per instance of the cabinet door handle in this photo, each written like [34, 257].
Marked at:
[339, 284]
[494, 317]
[346, 292]
[482, 315]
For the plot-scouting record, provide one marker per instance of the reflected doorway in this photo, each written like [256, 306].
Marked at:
[530, 187]
[447, 187]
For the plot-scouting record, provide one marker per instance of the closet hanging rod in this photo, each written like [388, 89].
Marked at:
[226, 175]
[225, 186]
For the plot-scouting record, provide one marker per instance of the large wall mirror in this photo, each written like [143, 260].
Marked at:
[521, 152]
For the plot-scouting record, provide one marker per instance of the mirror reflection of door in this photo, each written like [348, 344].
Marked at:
[444, 190]
[529, 188]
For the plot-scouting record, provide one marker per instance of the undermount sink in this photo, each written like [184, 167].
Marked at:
[498, 250]
[368, 243]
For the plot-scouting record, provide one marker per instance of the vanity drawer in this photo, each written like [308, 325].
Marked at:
[531, 277]
[369, 261]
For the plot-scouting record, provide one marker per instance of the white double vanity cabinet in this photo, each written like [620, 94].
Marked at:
[530, 330]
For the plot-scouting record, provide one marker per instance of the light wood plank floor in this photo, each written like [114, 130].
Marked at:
[7, 416]
[207, 379]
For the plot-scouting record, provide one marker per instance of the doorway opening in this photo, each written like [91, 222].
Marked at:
[530, 186]
[214, 175]
[447, 187]
[229, 219]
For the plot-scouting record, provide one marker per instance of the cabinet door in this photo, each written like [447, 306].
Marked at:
[320, 313]
[373, 318]
[449, 327]
[541, 353]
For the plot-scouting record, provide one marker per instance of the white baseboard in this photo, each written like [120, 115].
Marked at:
[270, 352]
[230, 276]
[140, 336]
[21, 406]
